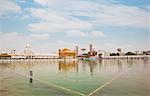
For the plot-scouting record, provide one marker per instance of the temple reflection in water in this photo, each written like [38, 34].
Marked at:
[79, 75]
[67, 66]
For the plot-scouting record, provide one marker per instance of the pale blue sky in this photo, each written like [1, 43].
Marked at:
[48, 25]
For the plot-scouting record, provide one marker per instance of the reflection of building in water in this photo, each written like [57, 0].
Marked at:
[119, 65]
[25, 65]
[67, 66]
[92, 65]
[130, 62]
[67, 53]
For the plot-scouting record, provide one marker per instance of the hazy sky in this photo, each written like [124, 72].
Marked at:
[48, 25]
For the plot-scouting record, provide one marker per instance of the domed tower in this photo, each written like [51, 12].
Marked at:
[28, 50]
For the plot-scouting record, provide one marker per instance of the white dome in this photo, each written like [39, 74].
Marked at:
[28, 46]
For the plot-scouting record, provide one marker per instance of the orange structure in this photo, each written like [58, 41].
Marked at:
[66, 53]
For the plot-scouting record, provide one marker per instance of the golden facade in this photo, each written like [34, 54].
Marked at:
[66, 53]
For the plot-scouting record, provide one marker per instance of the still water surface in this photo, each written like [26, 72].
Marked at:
[111, 77]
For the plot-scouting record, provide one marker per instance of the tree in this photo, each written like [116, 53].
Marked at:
[130, 53]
